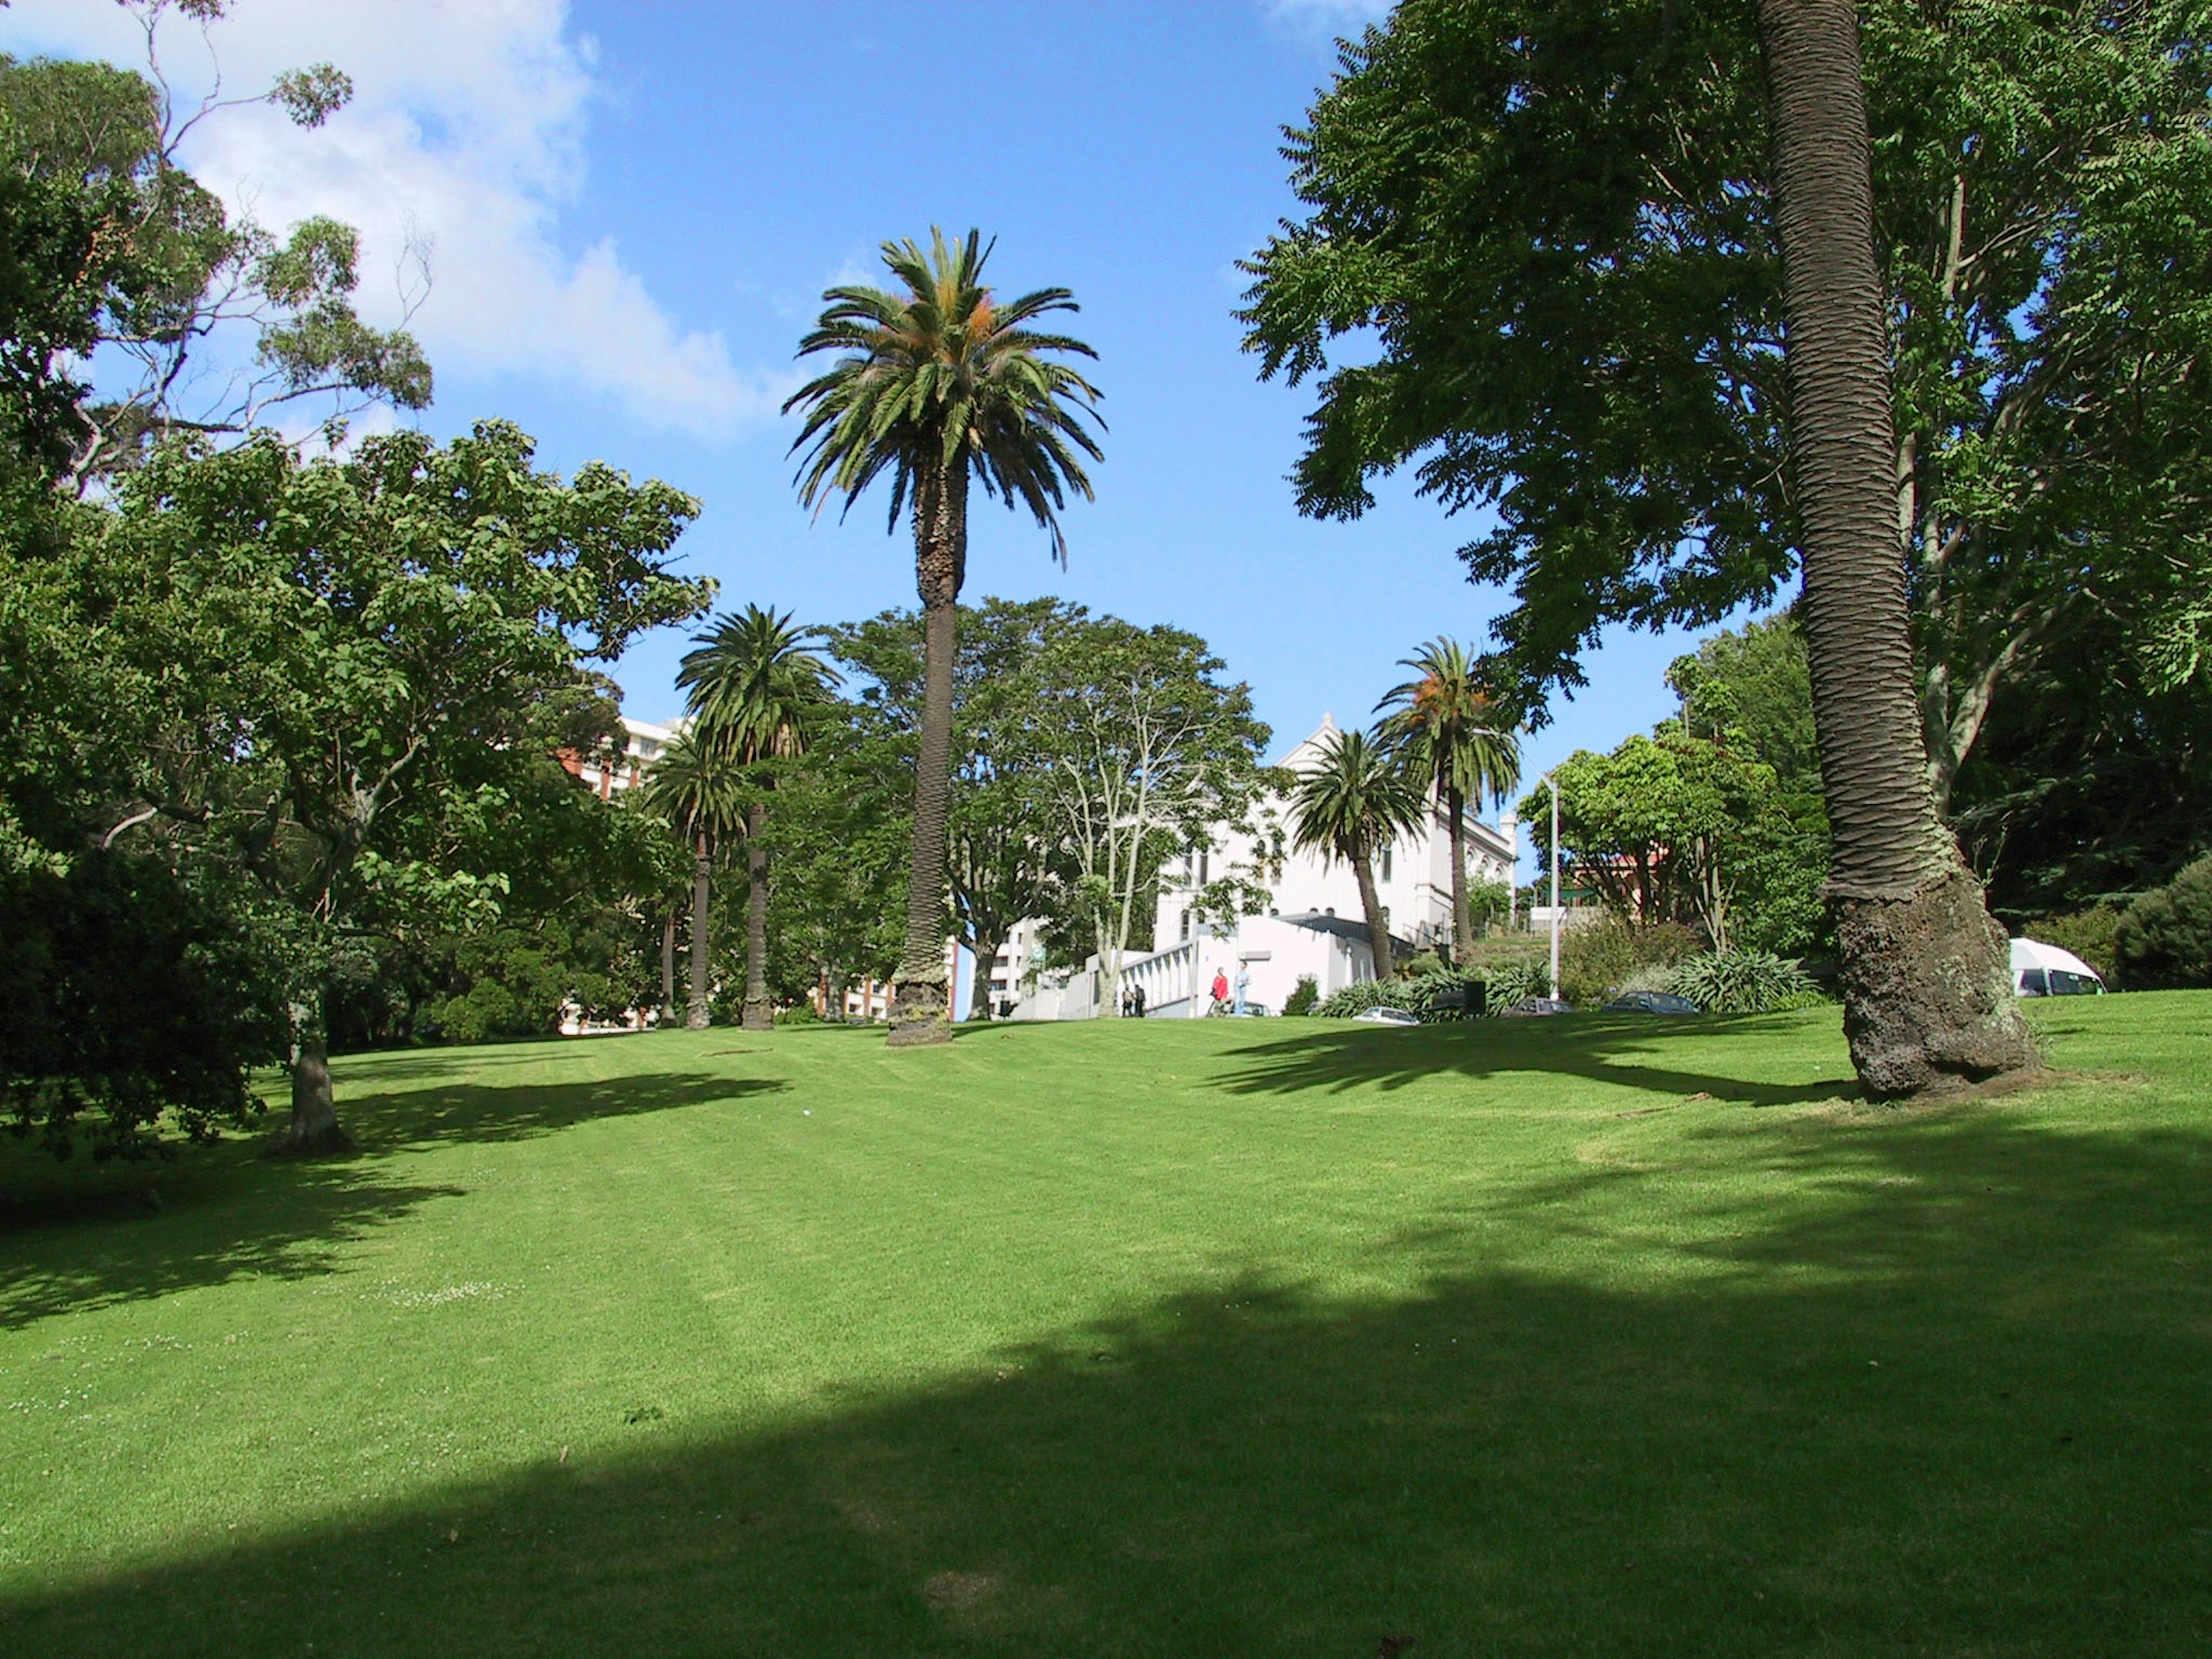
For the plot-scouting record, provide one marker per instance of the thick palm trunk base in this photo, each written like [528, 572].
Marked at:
[315, 1125]
[1927, 993]
[920, 1010]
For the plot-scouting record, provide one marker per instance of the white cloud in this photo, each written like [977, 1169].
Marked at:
[467, 131]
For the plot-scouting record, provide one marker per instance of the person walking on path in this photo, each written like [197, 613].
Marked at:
[1137, 1002]
[1243, 984]
[1220, 989]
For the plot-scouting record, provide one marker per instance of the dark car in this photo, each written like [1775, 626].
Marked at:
[1651, 1002]
[1527, 1008]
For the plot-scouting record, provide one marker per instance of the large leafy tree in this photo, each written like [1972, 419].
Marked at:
[331, 659]
[1351, 803]
[202, 322]
[1557, 223]
[1449, 727]
[1007, 858]
[937, 384]
[756, 692]
[1153, 752]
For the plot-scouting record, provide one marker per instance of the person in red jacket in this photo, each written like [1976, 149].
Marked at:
[1220, 987]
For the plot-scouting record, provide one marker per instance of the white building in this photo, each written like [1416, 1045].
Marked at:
[1311, 924]
[607, 774]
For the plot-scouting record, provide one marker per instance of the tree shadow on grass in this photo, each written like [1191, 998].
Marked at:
[518, 1111]
[89, 1238]
[1617, 1051]
[1955, 1406]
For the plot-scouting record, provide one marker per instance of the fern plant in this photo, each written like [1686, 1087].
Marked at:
[1743, 982]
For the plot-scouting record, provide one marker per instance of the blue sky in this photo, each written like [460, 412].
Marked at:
[632, 207]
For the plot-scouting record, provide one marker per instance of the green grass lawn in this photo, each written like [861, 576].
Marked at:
[1271, 1337]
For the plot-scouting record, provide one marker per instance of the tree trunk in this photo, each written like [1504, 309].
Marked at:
[1928, 994]
[1462, 917]
[986, 952]
[668, 968]
[697, 1015]
[1378, 929]
[757, 1016]
[315, 1125]
[921, 999]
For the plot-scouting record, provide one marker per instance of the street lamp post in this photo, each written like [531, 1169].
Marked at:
[1552, 778]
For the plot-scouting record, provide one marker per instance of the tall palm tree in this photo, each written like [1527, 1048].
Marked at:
[1351, 806]
[755, 691]
[934, 384]
[1928, 998]
[698, 793]
[1446, 727]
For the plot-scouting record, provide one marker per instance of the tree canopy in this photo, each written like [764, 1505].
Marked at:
[1538, 265]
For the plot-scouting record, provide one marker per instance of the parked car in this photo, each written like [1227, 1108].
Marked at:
[1530, 1007]
[1651, 1002]
[1386, 1016]
[2045, 970]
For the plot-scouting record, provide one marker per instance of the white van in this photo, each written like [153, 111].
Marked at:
[2045, 970]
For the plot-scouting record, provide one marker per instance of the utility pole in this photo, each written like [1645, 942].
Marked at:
[1552, 778]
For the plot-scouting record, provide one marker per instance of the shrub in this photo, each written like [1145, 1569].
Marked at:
[1303, 996]
[1743, 982]
[1510, 981]
[2091, 934]
[2165, 938]
[799, 1013]
[1414, 994]
[1598, 962]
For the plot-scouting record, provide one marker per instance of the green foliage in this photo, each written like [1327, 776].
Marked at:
[1516, 980]
[1415, 994]
[1156, 752]
[1676, 828]
[1743, 982]
[938, 369]
[1597, 962]
[1543, 235]
[124, 252]
[1302, 997]
[2165, 938]
[1007, 859]
[1447, 725]
[799, 1014]
[127, 994]
[2092, 934]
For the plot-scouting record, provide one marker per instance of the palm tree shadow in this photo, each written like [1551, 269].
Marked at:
[1599, 1049]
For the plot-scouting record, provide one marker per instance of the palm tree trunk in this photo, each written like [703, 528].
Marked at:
[1378, 932]
[697, 1015]
[1462, 917]
[668, 968]
[757, 1015]
[920, 1004]
[1927, 995]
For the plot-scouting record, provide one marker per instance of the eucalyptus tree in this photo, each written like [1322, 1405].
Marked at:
[1447, 726]
[1356, 802]
[697, 790]
[755, 692]
[936, 385]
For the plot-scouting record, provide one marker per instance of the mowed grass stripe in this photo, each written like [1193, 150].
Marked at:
[1211, 1337]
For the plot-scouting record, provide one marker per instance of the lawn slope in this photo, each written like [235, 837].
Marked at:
[1217, 1337]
